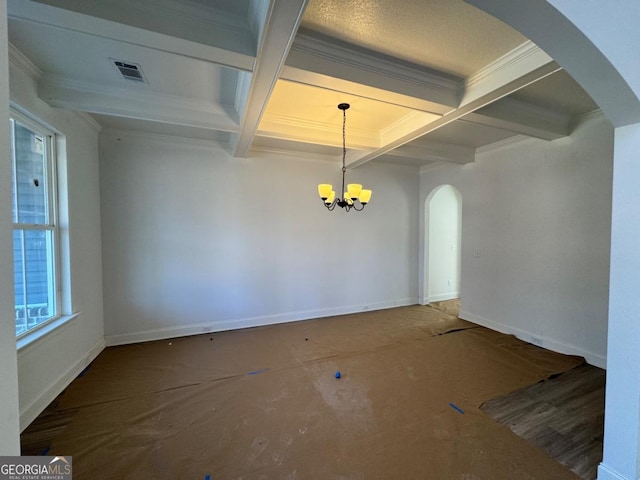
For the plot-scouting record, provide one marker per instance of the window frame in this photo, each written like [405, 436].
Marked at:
[52, 203]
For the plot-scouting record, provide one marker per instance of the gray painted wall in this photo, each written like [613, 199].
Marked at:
[535, 238]
[195, 240]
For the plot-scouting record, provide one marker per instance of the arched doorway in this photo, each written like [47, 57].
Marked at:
[597, 44]
[443, 224]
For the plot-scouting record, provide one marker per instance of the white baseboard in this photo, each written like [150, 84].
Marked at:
[443, 296]
[219, 326]
[544, 342]
[607, 473]
[29, 413]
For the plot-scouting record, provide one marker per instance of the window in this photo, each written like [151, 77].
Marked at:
[34, 224]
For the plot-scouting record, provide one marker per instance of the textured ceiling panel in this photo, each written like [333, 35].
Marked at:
[558, 92]
[448, 35]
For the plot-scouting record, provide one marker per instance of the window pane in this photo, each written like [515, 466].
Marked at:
[34, 275]
[18, 279]
[30, 188]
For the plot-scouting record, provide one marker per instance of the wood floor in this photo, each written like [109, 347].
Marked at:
[563, 415]
[39, 436]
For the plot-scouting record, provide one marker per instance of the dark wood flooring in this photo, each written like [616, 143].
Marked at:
[563, 415]
[38, 437]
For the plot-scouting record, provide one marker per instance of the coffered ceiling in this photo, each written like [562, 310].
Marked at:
[428, 80]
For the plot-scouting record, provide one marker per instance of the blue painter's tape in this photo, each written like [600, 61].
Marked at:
[256, 372]
[456, 408]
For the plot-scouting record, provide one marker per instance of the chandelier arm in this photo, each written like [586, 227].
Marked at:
[332, 206]
[356, 208]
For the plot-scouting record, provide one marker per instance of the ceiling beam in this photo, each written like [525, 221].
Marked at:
[153, 28]
[522, 118]
[436, 152]
[519, 68]
[71, 94]
[277, 31]
[321, 61]
[355, 89]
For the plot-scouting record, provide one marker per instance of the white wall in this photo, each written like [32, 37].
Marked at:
[9, 422]
[195, 240]
[535, 238]
[46, 366]
[443, 231]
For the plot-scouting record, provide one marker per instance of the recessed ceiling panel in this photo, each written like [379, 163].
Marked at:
[218, 23]
[465, 133]
[88, 59]
[448, 35]
[304, 113]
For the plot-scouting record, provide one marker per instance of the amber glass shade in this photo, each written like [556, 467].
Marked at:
[365, 196]
[332, 196]
[354, 190]
[324, 190]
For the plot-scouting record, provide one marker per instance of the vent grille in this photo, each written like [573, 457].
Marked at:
[129, 71]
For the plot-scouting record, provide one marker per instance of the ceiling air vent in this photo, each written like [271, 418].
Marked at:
[129, 71]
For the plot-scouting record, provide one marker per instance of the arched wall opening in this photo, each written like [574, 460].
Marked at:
[597, 44]
[443, 235]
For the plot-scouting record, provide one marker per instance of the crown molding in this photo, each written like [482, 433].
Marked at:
[507, 142]
[23, 63]
[173, 139]
[299, 155]
[308, 130]
[309, 50]
[137, 102]
[136, 92]
[592, 115]
[511, 59]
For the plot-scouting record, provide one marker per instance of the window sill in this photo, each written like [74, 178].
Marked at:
[43, 332]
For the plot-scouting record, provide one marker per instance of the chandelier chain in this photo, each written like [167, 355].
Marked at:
[344, 144]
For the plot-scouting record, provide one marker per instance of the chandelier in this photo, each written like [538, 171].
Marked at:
[354, 197]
